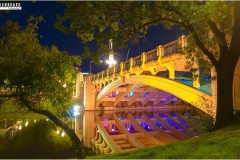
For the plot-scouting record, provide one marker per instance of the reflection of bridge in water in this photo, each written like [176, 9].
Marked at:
[122, 131]
[128, 131]
[153, 80]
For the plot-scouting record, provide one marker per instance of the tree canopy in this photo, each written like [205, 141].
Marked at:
[32, 71]
[34, 77]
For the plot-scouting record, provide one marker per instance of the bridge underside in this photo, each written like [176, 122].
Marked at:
[138, 95]
[146, 91]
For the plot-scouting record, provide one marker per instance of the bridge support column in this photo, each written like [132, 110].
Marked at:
[171, 68]
[88, 127]
[89, 94]
[80, 87]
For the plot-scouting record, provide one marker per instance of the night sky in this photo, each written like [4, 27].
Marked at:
[48, 35]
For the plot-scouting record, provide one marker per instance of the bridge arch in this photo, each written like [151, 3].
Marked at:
[189, 94]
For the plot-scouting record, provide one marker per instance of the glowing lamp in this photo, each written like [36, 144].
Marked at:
[62, 134]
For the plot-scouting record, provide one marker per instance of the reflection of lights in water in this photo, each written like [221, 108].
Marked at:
[20, 127]
[57, 131]
[76, 113]
[26, 124]
[76, 110]
[62, 134]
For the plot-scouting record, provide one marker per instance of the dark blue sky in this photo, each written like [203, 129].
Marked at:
[48, 35]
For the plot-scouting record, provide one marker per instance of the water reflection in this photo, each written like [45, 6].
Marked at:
[10, 127]
[119, 131]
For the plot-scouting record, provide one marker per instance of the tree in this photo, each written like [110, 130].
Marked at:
[32, 76]
[127, 22]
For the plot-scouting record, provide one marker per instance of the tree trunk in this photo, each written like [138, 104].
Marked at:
[225, 74]
[72, 135]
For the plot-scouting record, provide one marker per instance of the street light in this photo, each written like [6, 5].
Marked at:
[90, 68]
[111, 61]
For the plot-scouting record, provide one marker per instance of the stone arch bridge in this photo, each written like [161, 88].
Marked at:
[153, 80]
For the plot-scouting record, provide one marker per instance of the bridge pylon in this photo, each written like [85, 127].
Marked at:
[89, 94]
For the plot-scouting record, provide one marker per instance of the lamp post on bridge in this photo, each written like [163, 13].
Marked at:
[90, 67]
[111, 61]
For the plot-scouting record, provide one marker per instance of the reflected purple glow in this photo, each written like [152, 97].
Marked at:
[183, 122]
[174, 124]
[145, 94]
[105, 126]
[164, 115]
[174, 115]
[171, 96]
[145, 126]
[159, 125]
[104, 119]
[164, 101]
[174, 101]
[121, 118]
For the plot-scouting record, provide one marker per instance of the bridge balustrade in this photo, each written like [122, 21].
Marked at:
[117, 68]
[152, 55]
[98, 75]
[92, 77]
[168, 53]
[105, 74]
[126, 65]
[137, 61]
[170, 48]
[111, 71]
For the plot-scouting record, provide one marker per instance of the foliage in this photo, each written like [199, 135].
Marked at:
[202, 123]
[34, 77]
[237, 115]
[114, 20]
[35, 72]
[38, 141]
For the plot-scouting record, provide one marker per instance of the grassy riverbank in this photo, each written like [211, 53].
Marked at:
[224, 144]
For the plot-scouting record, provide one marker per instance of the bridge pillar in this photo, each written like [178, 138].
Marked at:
[88, 127]
[80, 87]
[143, 59]
[159, 51]
[171, 68]
[89, 94]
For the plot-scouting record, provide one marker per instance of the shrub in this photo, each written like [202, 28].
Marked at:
[237, 115]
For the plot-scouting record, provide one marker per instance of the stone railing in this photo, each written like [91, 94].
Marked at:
[161, 55]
